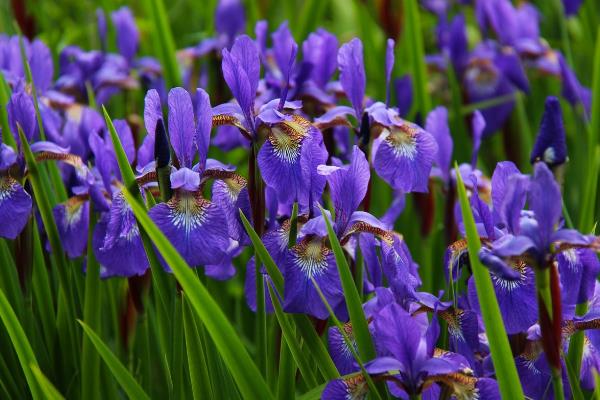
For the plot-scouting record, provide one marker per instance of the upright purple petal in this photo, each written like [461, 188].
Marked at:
[478, 127]
[245, 52]
[203, 125]
[503, 171]
[126, 137]
[230, 19]
[319, 49]
[283, 48]
[513, 202]
[389, 66]
[42, 66]
[352, 73]
[551, 143]
[545, 201]
[181, 125]
[437, 125]
[348, 186]
[239, 84]
[128, 36]
[404, 94]
[21, 111]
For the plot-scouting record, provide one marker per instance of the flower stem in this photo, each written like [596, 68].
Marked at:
[549, 319]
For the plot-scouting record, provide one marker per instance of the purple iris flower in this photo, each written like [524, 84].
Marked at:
[319, 50]
[492, 72]
[196, 226]
[403, 153]
[534, 235]
[407, 354]
[519, 28]
[107, 73]
[38, 55]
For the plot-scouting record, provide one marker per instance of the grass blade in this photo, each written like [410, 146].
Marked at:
[506, 372]
[235, 356]
[292, 343]
[417, 53]
[90, 361]
[20, 343]
[164, 39]
[47, 388]
[360, 327]
[201, 387]
[120, 373]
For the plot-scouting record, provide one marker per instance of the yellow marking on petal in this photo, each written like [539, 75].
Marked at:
[403, 140]
[311, 256]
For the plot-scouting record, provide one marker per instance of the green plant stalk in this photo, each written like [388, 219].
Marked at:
[542, 283]
[42, 291]
[8, 138]
[40, 189]
[286, 383]
[90, 361]
[21, 345]
[292, 343]
[586, 220]
[417, 52]
[166, 44]
[198, 368]
[47, 388]
[506, 372]
[120, 373]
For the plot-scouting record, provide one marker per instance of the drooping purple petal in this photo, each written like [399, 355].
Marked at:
[196, 227]
[72, 220]
[117, 243]
[181, 126]
[15, 207]
[308, 260]
[403, 156]
[352, 73]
